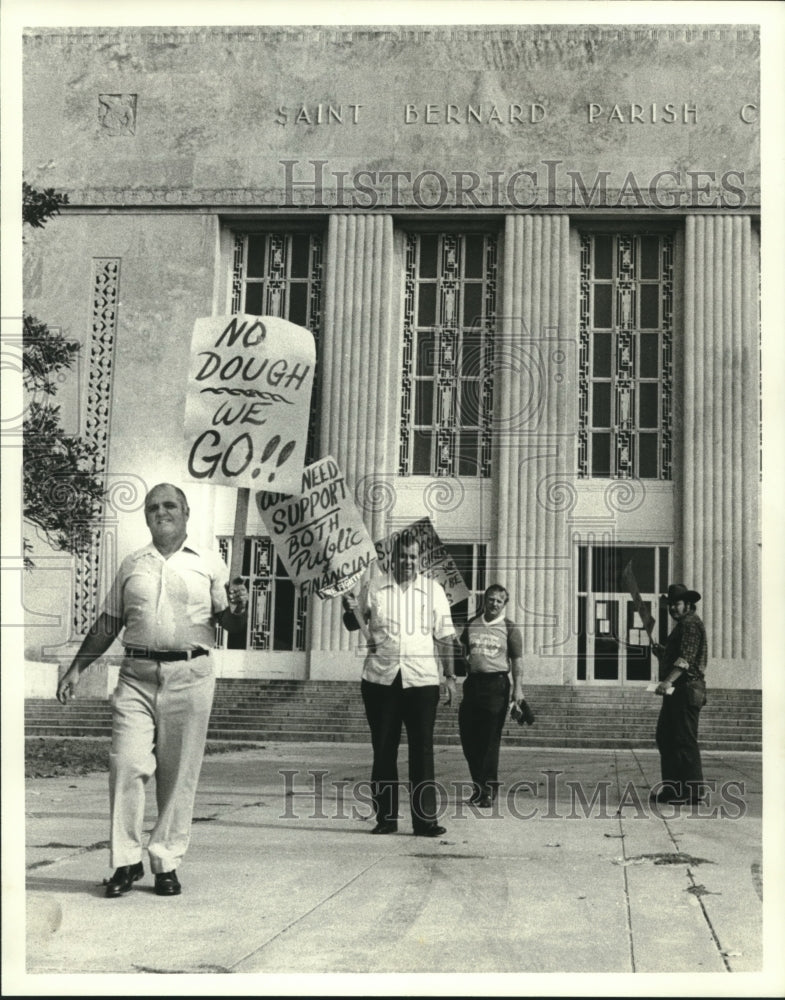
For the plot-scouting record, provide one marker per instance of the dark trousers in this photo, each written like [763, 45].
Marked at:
[387, 708]
[677, 737]
[486, 698]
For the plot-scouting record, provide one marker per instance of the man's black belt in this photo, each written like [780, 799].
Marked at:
[139, 653]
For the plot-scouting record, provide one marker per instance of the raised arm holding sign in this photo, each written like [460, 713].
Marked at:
[411, 643]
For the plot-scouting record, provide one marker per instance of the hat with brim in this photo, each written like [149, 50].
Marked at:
[678, 592]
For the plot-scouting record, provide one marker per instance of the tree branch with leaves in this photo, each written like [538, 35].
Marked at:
[62, 492]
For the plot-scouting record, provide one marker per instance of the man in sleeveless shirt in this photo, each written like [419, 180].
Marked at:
[492, 646]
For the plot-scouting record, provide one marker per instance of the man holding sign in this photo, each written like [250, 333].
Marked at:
[683, 686]
[404, 616]
[168, 596]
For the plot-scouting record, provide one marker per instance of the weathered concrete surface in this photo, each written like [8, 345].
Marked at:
[572, 873]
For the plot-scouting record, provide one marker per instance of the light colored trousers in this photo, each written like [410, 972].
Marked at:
[160, 713]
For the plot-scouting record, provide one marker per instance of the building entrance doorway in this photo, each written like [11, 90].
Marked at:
[613, 645]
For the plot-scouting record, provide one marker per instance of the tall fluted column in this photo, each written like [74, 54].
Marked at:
[721, 430]
[535, 423]
[358, 378]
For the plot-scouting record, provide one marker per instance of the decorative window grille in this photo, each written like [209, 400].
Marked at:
[449, 317]
[626, 356]
[276, 612]
[103, 334]
[278, 274]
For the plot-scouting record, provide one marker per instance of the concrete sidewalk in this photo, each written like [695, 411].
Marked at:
[572, 872]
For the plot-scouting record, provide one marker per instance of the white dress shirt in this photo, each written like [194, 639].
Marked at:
[403, 624]
[169, 603]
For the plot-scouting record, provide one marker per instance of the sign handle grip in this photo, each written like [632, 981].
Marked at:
[240, 526]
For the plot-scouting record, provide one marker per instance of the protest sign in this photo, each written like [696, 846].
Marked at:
[435, 561]
[248, 401]
[319, 535]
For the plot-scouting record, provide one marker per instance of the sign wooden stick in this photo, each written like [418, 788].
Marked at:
[358, 617]
[632, 585]
[238, 538]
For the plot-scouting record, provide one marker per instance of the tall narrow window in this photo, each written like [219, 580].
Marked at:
[626, 351]
[449, 316]
[280, 274]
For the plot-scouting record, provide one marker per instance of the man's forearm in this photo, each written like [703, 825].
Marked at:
[446, 651]
[96, 642]
[674, 675]
[517, 677]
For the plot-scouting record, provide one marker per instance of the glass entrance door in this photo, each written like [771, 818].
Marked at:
[618, 646]
[613, 644]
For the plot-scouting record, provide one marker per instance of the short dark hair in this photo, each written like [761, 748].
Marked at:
[181, 496]
[498, 588]
[403, 540]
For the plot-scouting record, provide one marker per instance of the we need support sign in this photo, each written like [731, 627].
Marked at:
[248, 401]
[319, 534]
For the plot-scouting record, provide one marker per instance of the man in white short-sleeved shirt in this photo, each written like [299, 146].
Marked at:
[410, 645]
[168, 597]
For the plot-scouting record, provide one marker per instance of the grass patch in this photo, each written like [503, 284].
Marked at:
[57, 757]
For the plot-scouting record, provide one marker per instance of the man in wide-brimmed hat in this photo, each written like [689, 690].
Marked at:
[683, 686]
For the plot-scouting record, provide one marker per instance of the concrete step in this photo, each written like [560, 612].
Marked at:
[333, 711]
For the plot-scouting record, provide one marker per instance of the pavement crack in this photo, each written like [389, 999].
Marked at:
[701, 890]
[307, 913]
[663, 858]
[151, 970]
[627, 903]
[699, 896]
[99, 845]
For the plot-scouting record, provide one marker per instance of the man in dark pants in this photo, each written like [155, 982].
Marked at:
[400, 684]
[492, 644]
[683, 689]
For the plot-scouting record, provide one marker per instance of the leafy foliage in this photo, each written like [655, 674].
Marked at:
[39, 206]
[62, 492]
[45, 354]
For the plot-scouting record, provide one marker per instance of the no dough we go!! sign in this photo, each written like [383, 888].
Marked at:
[248, 401]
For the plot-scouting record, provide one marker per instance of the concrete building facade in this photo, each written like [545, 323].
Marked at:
[529, 256]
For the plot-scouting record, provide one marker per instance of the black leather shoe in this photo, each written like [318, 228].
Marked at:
[123, 879]
[167, 884]
[386, 826]
[485, 801]
[434, 830]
